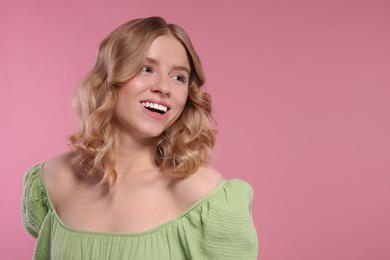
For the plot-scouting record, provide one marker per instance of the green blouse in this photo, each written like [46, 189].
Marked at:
[218, 226]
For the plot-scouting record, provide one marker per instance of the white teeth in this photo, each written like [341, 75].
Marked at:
[155, 106]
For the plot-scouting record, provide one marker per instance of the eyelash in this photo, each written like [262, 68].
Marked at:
[149, 69]
[180, 78]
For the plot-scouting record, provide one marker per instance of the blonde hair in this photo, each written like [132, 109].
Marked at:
[182, 148]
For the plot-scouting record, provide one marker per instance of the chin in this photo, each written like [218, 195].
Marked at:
[148, 133]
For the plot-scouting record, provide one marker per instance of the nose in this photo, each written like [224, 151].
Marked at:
[161, 86]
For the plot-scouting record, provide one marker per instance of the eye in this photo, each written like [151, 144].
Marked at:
[147, 69]
[180, 78]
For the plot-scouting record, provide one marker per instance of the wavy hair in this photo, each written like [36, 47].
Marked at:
[179, 150]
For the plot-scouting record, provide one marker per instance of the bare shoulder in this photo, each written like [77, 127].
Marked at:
[197, 185]
[58, 176]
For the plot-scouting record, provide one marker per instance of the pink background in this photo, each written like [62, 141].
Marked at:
[301, 94]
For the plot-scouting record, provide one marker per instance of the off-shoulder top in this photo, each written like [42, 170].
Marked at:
[218, 226]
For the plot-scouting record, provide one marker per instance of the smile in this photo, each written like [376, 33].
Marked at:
[154, 107]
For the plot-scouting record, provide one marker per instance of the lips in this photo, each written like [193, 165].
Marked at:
[155, 106]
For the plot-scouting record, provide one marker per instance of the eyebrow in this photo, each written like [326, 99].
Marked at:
[155, 62]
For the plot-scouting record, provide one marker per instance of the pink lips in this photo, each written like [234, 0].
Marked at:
[155, 114]
[158, 102]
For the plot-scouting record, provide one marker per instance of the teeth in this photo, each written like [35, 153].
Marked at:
[155, 106]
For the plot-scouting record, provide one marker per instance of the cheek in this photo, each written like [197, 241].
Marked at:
[180, 101]
[182, 98]
[137, 85]
[124, 99]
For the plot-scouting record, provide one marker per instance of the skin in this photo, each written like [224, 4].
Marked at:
[144, 197]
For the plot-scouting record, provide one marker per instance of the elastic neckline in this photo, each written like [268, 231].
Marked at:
[204, 199]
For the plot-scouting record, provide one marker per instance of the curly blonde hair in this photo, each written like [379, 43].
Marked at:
[182, 148]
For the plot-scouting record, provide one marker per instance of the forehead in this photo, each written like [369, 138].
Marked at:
[167, 50]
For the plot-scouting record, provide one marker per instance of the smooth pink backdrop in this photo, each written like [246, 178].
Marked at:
[301, 93]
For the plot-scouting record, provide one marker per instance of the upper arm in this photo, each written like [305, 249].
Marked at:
[229, 232]
[198, 185]
[35, 205]
[57, 178]
[222, 225]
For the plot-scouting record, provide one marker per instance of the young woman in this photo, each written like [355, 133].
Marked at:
[136, 183]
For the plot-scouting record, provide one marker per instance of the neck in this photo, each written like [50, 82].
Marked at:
[133, 155]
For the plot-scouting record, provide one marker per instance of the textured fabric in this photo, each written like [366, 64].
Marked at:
[218, 226]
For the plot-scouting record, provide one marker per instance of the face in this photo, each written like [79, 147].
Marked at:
[154, 99]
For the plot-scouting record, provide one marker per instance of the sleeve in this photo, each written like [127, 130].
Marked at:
[35, 205]
[229, 232]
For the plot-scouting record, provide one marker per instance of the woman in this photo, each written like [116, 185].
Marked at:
[137, 183]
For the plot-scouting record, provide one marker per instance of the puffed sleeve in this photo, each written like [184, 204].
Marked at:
[35, 204]
[224, 225]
